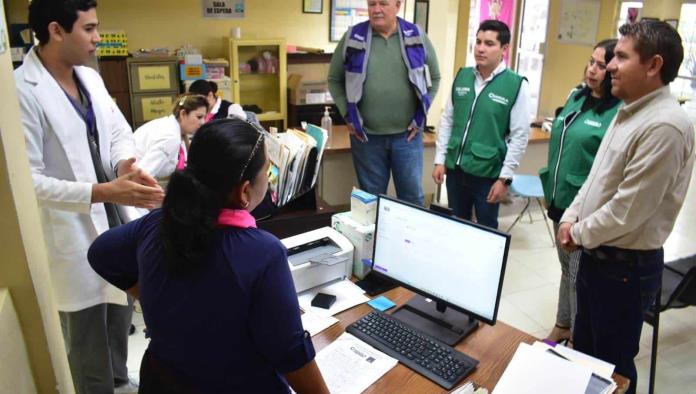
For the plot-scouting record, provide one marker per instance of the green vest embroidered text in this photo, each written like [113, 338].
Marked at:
[575, 138]
[480, 123]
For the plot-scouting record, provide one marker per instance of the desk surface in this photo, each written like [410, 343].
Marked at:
[493, 346]
[340, 141]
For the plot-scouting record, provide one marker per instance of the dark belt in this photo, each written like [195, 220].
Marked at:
[612, 253]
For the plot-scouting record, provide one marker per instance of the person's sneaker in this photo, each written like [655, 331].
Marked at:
[127, 388]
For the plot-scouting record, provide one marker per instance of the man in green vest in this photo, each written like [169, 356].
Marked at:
[483, 130]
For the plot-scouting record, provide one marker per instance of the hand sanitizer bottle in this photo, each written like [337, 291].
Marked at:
[326, 124]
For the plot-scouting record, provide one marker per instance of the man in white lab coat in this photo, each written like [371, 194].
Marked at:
[80, 151]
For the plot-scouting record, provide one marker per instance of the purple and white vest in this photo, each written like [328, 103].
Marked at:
[355, 54]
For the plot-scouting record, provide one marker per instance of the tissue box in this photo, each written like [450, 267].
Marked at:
[361, 236]
[363, 207]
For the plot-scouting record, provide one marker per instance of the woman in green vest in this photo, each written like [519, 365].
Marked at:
[576, 134]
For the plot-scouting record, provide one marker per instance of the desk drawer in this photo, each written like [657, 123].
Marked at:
[147, 107]
[155, 76]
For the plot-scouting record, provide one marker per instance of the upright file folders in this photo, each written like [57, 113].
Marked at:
[295, 159]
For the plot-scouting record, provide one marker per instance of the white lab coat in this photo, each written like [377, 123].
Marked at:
[157, 145]
[63, 174]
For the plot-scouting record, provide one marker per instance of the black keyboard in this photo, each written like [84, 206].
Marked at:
[436, 361]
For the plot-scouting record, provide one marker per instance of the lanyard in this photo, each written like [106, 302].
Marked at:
[88, 117]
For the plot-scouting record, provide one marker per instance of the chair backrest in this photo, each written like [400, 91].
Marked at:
[684, 293]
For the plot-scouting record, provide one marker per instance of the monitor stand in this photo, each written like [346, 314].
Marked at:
[373, 284]
[438, 321]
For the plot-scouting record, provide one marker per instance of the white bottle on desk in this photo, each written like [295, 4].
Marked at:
[326, 125]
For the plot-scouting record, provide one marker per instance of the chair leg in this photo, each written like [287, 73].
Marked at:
[541, 207]
[520, 215]
[656, 336]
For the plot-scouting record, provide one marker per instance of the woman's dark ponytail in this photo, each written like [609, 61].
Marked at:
[190, 213]
[223, 154]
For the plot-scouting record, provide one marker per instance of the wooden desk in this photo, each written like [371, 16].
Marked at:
[537, 135]
[340, 140]
[493, 346]
[338, 177]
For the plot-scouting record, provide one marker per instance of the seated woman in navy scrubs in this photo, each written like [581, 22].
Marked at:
[216, 292]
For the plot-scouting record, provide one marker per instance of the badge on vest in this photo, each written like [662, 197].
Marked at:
[592, 123]
[498, 99]
[462, 90]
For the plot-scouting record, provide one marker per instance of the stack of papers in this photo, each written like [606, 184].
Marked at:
[542, 368]
[349, 365]
[295, 160]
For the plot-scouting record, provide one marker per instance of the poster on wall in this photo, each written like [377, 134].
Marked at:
[223, 8]
[500, 10]
[578, 22]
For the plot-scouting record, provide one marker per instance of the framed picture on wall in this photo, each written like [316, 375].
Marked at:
[650, 19]
[420, 14]
[312, 6]
[672, 22]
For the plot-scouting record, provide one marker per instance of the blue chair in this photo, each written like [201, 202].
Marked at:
[529, 187]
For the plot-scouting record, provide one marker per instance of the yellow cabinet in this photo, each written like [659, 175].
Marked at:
[259, 77]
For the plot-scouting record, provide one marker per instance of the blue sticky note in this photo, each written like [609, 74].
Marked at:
[381, 303]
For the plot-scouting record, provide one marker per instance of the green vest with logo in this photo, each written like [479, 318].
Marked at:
[575, 139]
[480, 123]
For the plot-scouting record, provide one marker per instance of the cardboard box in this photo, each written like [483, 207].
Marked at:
[216, 68]
[113, 43]
[308, 92]
[192, 72]
[363, 207]
[362, 237]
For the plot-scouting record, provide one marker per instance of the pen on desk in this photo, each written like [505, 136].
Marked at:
[301, 311]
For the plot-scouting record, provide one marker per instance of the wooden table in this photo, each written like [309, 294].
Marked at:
[340, 140]
[493, 346]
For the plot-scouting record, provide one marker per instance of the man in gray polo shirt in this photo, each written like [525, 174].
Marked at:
[624, 212]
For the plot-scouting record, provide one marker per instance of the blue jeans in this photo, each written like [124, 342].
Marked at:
[613, 293]
[383, 155]
[466, 193]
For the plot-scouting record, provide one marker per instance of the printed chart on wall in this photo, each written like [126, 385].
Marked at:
[578, 21]
[346, 13]
[223, 8]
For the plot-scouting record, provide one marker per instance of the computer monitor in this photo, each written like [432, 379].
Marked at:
[456, 266]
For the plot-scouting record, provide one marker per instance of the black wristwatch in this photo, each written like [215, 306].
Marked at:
[506, 181]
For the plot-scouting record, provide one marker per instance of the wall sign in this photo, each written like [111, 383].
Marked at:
[223, 8]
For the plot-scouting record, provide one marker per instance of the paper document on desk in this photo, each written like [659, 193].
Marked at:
[349, 365]
[347, 293]
[534, 371]
[600, 367]
[315, 323]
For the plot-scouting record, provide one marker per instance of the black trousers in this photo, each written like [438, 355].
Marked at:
[615, 287]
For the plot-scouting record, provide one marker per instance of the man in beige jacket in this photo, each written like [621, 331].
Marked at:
[624, 212]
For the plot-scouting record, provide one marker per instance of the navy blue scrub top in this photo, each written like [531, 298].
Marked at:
[233, 326]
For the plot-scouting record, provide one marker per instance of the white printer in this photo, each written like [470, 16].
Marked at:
[318, 257]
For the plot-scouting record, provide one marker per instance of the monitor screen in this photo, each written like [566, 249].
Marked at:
[441, 257]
